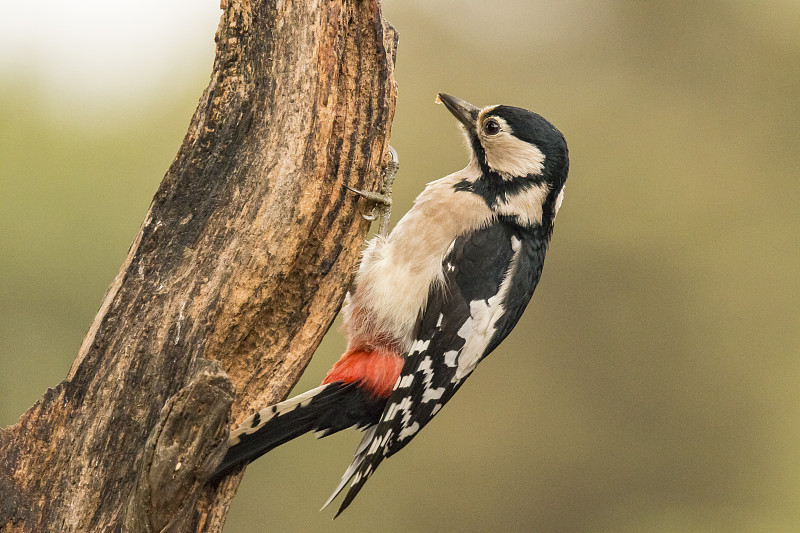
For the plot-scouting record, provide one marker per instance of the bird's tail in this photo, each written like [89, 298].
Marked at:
[358, 459]
[315, 410]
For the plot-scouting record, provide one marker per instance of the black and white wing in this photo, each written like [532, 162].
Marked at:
[489, 277]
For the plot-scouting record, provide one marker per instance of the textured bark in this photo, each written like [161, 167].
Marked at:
[243, 258]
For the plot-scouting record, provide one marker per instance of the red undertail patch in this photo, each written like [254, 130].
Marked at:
[376, 370]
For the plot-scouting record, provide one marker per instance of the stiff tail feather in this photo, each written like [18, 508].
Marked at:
[361, 452]
[282, 422]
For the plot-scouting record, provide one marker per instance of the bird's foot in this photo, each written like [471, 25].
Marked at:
[383, 198]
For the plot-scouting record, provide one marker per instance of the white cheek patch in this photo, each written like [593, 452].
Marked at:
[512, 157]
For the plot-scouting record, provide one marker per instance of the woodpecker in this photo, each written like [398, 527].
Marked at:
[432, 298]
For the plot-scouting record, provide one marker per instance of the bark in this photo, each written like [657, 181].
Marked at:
[240, 265]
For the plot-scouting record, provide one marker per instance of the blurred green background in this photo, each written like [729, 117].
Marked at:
[652, 385]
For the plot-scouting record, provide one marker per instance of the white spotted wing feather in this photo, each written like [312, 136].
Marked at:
[490, 275]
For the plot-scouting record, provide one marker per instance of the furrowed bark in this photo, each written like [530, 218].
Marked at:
[243, 258]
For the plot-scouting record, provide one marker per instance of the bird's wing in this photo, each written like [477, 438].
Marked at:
[489, 277]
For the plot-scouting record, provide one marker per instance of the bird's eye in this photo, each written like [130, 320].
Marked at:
[491, 127]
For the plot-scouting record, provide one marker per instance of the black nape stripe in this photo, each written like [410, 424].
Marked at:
[493, 188]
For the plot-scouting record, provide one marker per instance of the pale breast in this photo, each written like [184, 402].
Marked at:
[396, 273]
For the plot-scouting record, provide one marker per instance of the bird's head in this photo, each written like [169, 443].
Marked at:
[516, 151]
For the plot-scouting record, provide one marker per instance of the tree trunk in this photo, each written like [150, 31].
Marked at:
[240, 265]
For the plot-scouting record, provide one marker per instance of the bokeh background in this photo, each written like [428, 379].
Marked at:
[652, 385]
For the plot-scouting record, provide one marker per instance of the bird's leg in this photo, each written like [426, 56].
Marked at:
[382, 198]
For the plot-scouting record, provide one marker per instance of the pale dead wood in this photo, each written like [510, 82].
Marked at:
[243, 258]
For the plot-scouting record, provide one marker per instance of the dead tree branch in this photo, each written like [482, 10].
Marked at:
[243, 259]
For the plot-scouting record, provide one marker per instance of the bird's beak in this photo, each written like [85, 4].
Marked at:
[465, 112]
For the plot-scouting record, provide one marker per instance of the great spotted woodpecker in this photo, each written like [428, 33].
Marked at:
[434, 297]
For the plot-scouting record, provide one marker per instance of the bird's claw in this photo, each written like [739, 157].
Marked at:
[382, 198]
[376, 197]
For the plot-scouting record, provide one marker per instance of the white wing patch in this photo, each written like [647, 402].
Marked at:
[465, 331]
[479, 329]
